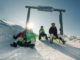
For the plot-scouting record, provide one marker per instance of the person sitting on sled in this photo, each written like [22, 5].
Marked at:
[53, 30]
[42, 33]
[30, 38]
[28, 41]
[53, 33]
[18, 39]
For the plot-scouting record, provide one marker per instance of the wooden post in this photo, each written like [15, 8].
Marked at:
[28, 16]
[61, 22]
[27, 21]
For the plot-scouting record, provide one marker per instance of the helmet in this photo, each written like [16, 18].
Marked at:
[41, 26]
[53, 23]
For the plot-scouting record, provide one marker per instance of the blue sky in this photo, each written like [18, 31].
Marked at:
[15, 11]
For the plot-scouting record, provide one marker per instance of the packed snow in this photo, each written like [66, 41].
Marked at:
[43, 49]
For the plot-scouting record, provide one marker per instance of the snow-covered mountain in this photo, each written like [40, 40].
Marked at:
[43, 49]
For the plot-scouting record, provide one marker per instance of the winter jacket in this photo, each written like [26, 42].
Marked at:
[41, 31]
[20, 34]
[53, 30]
[29, 36]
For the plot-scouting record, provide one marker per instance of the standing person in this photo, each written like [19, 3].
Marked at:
[53, 33]
[42, 33]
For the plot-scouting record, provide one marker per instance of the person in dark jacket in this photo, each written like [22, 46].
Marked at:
[53, 30]
[53, 33]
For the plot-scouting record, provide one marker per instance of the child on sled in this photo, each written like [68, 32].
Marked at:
[26, 38]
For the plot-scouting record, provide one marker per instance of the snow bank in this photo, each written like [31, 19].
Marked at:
[7, 52]
[73, 41]
[6, 36]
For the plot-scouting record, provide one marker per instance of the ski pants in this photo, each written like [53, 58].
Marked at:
[19, 38]
[52, 36]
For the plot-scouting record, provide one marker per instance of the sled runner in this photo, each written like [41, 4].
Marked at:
[60, 38]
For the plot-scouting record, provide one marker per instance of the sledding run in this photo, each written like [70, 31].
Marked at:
[27, 38]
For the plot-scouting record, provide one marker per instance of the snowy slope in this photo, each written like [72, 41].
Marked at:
[42, 51]
[73, 41]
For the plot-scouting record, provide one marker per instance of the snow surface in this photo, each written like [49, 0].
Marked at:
[43, 49]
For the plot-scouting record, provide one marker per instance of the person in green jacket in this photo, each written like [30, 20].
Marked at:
[42, 33]
[30, 38]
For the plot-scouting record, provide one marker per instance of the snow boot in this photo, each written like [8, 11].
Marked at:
[32, 45]
[15, 37]
[14, 44]
[64, 42]
[20, 43]
[39, 38]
